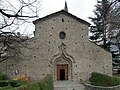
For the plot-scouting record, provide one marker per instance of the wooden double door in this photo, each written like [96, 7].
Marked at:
[62, 71]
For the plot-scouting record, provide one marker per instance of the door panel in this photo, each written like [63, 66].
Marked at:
[62, 71]
[62, 74]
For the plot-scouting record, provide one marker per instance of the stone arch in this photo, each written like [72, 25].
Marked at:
[62, 58]
[62, 51]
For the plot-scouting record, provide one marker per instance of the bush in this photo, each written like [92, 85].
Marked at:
[16, 83]
[3, 77]
[3, 83]
[98, 79]
[12, 83]
[44, 84]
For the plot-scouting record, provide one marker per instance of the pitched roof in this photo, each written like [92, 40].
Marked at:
[61, 12]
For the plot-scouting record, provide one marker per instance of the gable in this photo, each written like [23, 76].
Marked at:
[47, 26]
[61, 12]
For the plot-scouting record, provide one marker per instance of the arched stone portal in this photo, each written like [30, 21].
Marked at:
[62, 64]
[63, 68]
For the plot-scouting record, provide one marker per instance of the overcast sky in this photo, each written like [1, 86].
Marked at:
[80, 8]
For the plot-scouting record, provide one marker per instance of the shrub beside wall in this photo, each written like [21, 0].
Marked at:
[102, 82]
[98, 79]
[44, 84]
[3, 77]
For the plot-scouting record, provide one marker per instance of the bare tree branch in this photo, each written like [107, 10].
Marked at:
[12, 17]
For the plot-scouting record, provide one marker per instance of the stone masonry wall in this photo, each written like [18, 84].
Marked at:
[36, 59]
[88, 56]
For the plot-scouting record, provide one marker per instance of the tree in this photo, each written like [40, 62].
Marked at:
[12, 16]
[21, 10]
[106, 28]
[106, 21]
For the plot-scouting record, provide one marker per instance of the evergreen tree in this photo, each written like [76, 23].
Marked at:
[106, 28]
[106, 20]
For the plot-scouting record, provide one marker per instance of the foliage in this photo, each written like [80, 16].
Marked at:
[43, 84]
[16, 83]
[23, 78]
[47, 83]
[6, 88]
[14, 14]
[117, 61]
[99, 79]
[106, 22]
[105, 30]
[3, 77]
[32, 86]
[3, 83]
[15, 18]
[12, 83]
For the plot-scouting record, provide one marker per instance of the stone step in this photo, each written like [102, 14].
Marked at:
[67, 85]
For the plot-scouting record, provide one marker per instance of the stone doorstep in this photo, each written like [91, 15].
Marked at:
[67, 85]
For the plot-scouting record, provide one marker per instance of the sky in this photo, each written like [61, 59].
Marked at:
[80, 8]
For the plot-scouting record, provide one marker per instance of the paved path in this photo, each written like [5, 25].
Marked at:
[67, 85]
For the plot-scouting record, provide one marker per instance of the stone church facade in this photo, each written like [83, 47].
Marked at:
[60, 47]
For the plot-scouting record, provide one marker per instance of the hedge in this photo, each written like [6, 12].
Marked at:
[99, 79]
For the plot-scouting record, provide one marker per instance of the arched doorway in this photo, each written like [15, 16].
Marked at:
[62, 64]
[63, 68]
[62, 71]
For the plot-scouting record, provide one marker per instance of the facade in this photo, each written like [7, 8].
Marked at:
[60, 47]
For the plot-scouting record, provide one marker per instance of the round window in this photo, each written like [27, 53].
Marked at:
[62, 35]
